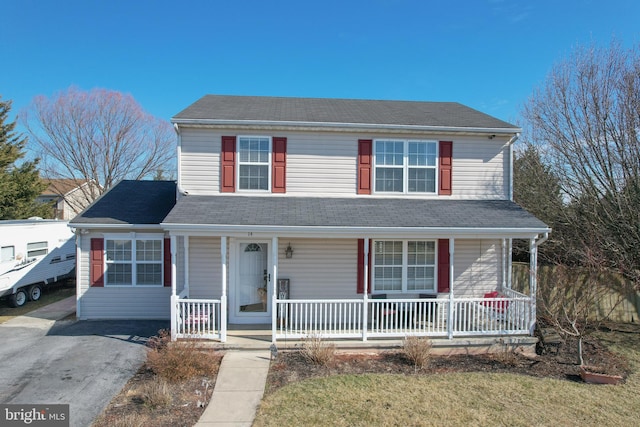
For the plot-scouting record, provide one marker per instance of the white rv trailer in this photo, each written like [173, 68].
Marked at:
[33, 254]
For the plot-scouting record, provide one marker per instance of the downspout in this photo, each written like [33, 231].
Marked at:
[180, 191]
[513, 139]
[533, 277]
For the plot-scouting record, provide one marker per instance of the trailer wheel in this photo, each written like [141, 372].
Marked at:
[35, 292]
[18, 299]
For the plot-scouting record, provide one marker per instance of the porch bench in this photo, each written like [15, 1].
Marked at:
[498, 308]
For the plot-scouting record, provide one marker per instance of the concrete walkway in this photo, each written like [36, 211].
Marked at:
[238, 390]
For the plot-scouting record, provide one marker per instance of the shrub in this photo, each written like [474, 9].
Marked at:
[417, 350]
[506, 355]
[317, 351]
[156, 393]
[180, 360]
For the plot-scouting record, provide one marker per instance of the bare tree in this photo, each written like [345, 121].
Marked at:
[99, 136]
[586, 120]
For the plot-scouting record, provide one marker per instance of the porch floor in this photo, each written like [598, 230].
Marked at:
[258, 337]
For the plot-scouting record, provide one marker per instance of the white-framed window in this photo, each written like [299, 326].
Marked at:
[254, 163]
[404, 266]
[37, 249]
[7, 253]
[405, 166]
[134, 261]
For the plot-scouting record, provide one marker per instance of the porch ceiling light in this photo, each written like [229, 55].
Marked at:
[288, 252]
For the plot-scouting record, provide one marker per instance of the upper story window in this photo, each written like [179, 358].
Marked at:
[133, 262]
[402, 166]
[254, 164]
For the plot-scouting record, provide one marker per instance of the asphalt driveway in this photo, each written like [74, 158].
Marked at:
[81, 363]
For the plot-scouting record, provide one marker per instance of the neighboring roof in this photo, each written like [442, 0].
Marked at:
[61, 186]
[350, 213]
[130, 203]
[220, 109]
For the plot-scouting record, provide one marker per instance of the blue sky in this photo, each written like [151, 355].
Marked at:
[487, 54]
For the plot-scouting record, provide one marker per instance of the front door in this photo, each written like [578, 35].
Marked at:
[251, 294]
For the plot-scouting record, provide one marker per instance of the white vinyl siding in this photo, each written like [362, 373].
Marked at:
[477, 267]
[126, 302]
[200, 161]
[320, 268]
[205, 270]
[324, 164]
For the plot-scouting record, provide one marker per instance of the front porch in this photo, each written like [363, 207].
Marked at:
[501, 312]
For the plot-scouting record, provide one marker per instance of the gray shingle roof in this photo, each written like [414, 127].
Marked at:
[351, 212]
[222, 108]
[131, 202]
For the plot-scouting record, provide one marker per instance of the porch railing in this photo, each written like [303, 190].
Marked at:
[198, 318]
[379, 318]
[401, 317]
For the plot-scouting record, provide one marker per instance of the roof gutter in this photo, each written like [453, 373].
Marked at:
[359, 126]
[117, 226]
[350, 232]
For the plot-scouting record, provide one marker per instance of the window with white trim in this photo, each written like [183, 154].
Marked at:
[404, 266]
[254, 163]
[405, 166]
[133, 262]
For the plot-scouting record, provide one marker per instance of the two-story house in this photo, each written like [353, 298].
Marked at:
[332, 217]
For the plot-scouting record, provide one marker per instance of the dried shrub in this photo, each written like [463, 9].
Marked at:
[180, 360]
[506, 355]
[132, 419]
[317, 351]
[417, 350]
[156, 394]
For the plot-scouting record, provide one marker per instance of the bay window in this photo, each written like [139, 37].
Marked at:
[404, 266]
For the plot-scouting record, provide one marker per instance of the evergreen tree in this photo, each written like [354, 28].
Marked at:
[19, 184]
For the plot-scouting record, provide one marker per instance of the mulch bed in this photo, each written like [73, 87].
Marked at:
[292, 366]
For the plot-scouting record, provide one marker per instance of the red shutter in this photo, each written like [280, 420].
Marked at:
[167, 262]
[96, 263]
[361, 261]
[279, 165]
[365, 147]
[228, 165]
[443, 265]
[446, 162]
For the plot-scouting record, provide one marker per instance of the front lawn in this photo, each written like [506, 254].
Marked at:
[459, 398]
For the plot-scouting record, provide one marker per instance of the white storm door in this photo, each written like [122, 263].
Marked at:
[252, 290]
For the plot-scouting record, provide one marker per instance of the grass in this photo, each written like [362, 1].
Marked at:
[49, 296]
[459, 399]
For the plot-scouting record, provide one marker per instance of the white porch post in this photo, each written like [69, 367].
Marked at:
[365, 293]
[504, 264]
[510, 265]
[185, 247]
[274, 293]
[533, 278]
[451, 301]
[223, 296]
[174, 297]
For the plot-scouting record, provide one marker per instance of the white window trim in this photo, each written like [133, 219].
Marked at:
[133, 237]
[405, 167]
[405, 268]
[269, 165]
